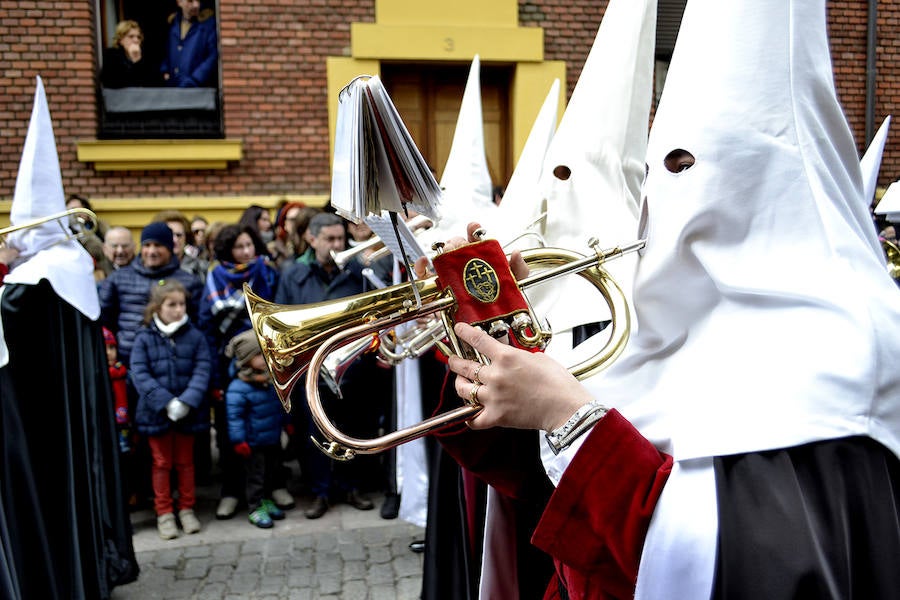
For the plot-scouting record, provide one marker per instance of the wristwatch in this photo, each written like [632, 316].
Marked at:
[584, 419]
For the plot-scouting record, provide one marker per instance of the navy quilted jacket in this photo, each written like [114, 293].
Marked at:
[255, 414]
[124, 294]
[163, 368]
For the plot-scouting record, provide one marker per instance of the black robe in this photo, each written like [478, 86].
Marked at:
[457, 501]
[64, 528]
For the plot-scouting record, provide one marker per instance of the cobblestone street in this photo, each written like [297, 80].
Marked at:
[346, 554]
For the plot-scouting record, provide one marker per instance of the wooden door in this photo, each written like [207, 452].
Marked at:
[428, 98]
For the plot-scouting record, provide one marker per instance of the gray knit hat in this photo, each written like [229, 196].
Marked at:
[243, 347]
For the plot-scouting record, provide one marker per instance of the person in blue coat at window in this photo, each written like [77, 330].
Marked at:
[192, 53]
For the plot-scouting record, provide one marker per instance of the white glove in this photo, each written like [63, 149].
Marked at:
[176, 409]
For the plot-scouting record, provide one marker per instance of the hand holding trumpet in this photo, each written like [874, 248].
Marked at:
[517, 389]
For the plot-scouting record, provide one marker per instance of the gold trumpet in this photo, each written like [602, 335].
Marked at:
[87, 221]
[376, 245]
[297, 339]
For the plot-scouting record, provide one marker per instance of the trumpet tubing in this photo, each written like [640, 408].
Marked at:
[376, 245]
[87, 219]
[411, 343]
[345, 256]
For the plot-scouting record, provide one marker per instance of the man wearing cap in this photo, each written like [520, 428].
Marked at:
[123, 295]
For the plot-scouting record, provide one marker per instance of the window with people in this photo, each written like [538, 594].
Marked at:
[159, 69]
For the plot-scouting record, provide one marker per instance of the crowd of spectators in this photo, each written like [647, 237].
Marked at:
[210, 261]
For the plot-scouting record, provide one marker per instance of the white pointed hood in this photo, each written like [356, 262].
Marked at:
[764, 318]
[39, 193]
[870, 163]
[595, 164]
[465, 181]
[523, 204]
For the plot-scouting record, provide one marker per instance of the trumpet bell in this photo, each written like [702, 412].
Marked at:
[289, 335]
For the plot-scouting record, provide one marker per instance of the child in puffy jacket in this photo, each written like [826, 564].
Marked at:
[255, 422]
[170, 368]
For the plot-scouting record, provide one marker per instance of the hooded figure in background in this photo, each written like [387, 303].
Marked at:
[752, 446]
[64, 529]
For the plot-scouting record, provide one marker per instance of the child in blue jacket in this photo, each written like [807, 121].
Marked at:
[255, 422]
[170, 368]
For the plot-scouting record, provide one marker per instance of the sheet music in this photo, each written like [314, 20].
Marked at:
[384, 229]
[344, 169]
[377, 165]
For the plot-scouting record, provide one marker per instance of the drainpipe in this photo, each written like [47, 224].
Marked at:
[871, 42]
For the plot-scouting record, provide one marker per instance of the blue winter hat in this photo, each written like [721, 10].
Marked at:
[160, 233]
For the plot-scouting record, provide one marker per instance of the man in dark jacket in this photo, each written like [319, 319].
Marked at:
[123, 295]
[314, 277]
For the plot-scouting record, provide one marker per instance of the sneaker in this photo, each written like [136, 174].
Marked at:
[274, 512]
[227, 507]
[283, 499]
[391, 507]
[359, 502]
[165, 525]
[261, 519]
[189, 521]
[318, 508]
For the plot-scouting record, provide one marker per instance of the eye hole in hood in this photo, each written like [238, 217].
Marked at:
[678, 160]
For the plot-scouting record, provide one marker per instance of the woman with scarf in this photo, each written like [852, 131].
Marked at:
[239, 258]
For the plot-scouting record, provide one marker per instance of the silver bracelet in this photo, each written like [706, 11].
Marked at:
[584, 419]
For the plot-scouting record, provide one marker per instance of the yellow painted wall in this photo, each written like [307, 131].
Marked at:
[457, 12]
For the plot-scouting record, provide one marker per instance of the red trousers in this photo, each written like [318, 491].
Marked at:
[172, 449]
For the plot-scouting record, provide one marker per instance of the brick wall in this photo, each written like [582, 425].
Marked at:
[274, 85]
[569, 30]
[53, 40]
[847, 32]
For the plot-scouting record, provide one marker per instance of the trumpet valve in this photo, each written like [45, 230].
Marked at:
[498, 329]
[527, 334]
